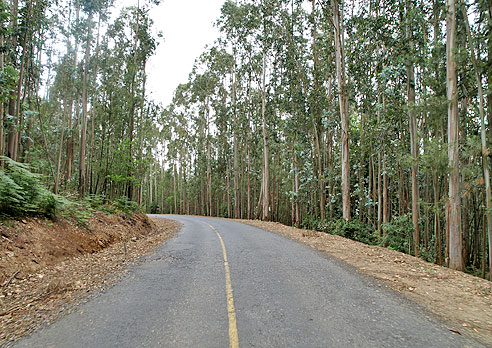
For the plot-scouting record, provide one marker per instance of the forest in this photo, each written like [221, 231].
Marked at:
[364, 118]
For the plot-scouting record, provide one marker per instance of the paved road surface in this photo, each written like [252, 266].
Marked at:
[284, 294]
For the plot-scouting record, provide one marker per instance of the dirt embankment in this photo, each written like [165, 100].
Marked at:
[46, 267]
[464, 301]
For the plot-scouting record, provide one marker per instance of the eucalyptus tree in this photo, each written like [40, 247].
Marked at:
[455, 236]
[338, 34]
[133, 43]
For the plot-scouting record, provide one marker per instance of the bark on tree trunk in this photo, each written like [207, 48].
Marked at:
[455, 233]
[18, 102]
[236, 144]
[340, 64]
[2, 111]
[82, 181]
[437, 220]
[11, 128]
[249, 188]
[489, 72]
[175, 189]
[483, 137]
[73, 107]
[412, 121]
[266, 169]
[380, 195]
[362, 193]
[316, 119]
[386, 204]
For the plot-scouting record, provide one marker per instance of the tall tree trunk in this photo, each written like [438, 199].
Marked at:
[150, 185]
[175, 189]
[342, 97]
[83, 133]
[209, 165]
[489, 71]
[296, 191]
[93, 113]
[11, 129]
[455, 233]
[248, 202]
[73, 105]
[380, 194]
[133, 106]
[437, 220]
[60, 150]
[236, 144]
[412, 121]
[18, 102]
[209, 181]
[317, 118]
[386, 197]
[2, 110]
[483, 137]
[266, 168]
[361, 167]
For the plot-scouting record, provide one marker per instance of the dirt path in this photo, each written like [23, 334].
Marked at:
[464, 301]
[48, 267]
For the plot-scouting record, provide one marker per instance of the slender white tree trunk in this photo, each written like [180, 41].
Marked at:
[82, 181]
[412, 121]
[266, 177]
[342, 97]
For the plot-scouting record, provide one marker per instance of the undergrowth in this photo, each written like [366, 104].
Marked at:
[396, 234]
[23, 193]
[353, 229]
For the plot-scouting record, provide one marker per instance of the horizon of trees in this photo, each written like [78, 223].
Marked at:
[374, 113]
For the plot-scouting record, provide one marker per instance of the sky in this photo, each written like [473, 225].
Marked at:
[187, 26]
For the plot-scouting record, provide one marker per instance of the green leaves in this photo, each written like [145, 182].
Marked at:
[8, 79]
[22, 192]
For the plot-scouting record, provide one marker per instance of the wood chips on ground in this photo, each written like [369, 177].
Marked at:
[462, 300]
[46, 268]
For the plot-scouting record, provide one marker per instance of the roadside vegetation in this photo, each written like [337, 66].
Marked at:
[23, 194]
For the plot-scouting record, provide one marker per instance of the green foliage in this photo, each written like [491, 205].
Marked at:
[125, 205]
[311, 222]
[49, 205]
[22, 192]
[154, 208]
[397, 233]
[353, 229]
[78, 211]
[8, 78]
[95, 201]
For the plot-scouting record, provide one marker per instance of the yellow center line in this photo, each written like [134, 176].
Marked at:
[233, 337]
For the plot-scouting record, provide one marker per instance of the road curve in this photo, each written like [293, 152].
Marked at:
[283, 294]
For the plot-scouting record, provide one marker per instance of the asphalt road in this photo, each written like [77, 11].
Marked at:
[284, 294]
